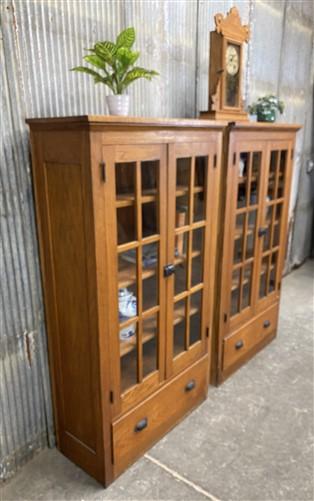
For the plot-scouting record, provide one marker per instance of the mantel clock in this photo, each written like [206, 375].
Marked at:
[225, 68]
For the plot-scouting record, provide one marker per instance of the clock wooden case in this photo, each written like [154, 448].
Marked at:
[226, 68]
[122, 204]
[252, 235]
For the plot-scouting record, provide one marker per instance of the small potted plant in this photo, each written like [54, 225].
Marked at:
[115, 67]
[266, 107]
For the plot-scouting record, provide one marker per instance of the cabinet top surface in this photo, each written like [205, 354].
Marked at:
[119, 121]
[112, 120]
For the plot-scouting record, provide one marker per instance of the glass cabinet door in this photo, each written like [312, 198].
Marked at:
[270, 229]
[188, 234]
[139, 188]
[244, 225]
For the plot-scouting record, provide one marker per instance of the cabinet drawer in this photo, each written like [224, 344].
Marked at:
[239, 343]
[144, 425]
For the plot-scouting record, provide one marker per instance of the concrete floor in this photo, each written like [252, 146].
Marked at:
[250, 441]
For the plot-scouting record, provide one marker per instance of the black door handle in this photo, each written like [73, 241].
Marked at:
[141, 425]
[169, 269]
[239, 344]
[262, 231]
[190, 385]
[266, 324]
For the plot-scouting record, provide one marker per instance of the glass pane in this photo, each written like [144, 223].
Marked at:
[195, 317]
[150, 275]
[200, 187]
[250, 238]
[246, 286]
[182, 191]
[267, 235]
[182, 211]
[238, 239]
[150, 344]
[197, 253]
[273, 270]
[282, 171]
[235, 296]
[276, 229]
[243, 165]
[125, 180]
[199, 207]
[127, 268]
[263, 278]
[149, 171]
[128, 357]
[179, 327]
[197, 270]
[198, 239]
[180, 277]
[126, 224]
[256, 165]
[232, 75]
[272, 175]
[127, 302]
[149, 219]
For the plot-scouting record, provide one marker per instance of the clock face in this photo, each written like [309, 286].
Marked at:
[232, 60]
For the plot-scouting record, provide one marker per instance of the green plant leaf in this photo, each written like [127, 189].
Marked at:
[97, 77]
[137, 73]
[126, 56]
[97, 61]
[101, 50]
[126, 38]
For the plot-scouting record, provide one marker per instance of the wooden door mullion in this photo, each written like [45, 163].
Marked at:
[139, 272]
[189, 252]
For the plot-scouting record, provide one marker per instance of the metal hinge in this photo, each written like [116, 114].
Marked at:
[225, 317]
[292, 151]
[207, 331]
[279, 286]
[111, 397]
[234, 158]
[215, 161]
[102, 166]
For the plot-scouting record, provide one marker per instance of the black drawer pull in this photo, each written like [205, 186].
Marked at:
[169, 269]
[239, 345]
[266, 324]
[262, 232]
[190, 385]
[141, 425]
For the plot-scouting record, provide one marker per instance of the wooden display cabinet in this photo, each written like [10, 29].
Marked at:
[126, 212]
[252, 243]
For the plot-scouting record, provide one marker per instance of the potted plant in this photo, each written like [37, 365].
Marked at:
[266, 107]
[115, 67]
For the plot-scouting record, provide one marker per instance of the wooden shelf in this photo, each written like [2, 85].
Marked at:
[127, 275]
[243, 179]
[130, 344]
[183, 190]
[179, 314]
[239, 231]
[182, 258]
[235, 284]
[128, 199]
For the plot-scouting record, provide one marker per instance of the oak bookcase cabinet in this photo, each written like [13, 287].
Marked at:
[121, 204]
[252, 241]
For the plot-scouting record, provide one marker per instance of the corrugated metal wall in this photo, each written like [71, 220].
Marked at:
[41, 40]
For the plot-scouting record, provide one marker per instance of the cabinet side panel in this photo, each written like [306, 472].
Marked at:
[66, 227]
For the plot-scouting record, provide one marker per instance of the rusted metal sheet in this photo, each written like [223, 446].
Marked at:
[41, 41]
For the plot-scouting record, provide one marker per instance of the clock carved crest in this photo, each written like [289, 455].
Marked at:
[225, 68]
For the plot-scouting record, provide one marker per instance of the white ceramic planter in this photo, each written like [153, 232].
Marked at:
[118, 104]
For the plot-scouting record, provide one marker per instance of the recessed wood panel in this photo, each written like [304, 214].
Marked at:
[67, 232]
